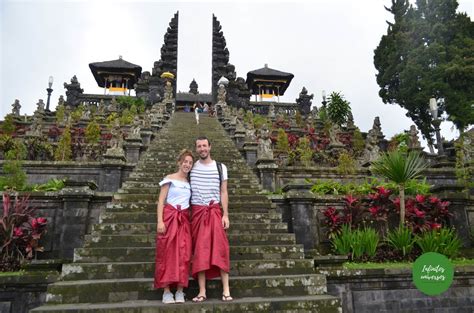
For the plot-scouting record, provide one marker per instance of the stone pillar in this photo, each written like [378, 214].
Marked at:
[74, 220]
[111, 175]
[146, 134]
[132, 149]
[239, 138]
[303, 217]
[266, 169]
[231, 129]
[250, 150]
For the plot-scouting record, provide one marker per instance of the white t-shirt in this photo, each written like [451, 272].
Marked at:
[178, 193]
[205, 183]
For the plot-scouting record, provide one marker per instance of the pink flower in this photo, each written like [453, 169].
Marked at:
[374, 210]
[383, 192]
[419, 213]
[434, 200]
[17, 232]
[420, 198]
[435, 226]
[350, 200]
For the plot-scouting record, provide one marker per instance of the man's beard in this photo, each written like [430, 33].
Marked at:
[204, 157]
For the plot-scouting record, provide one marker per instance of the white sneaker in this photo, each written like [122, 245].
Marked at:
[179, 297]
[168, 298]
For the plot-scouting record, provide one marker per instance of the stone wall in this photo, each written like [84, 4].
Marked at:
[107, 175]
[71, 213]
[21, 293]
[392, 290]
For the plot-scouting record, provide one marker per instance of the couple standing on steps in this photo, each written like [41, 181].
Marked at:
[201, 187]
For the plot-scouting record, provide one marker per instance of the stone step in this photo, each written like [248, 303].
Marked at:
[112, 270]
[136, 254]
[233, 189]
[150, 206]
[277, 304]
[142, 217]
[146, 228]
[149, 240]
[130, 289]
[153, 197]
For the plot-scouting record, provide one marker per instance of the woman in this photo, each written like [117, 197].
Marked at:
[174, 243]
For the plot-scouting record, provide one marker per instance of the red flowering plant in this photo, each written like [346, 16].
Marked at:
[426, 213]
[353, 214]
[380, 208]
[20, 232]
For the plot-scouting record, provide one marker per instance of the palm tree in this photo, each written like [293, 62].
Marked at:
[400, 168]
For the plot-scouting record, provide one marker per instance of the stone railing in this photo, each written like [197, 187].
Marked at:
[94, 99]
[280, 107]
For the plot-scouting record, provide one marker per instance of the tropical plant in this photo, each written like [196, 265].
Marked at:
[401, 239]
[63, 150]
[346, 164]
[443, 240]
[60, 113]
[282, 144]
[399, 168]
[338, 109]
[15, 176]
[8, 125]
[93, 132]
[20, 232]
[342, 242]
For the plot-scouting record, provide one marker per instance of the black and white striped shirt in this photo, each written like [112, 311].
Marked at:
[205, 183]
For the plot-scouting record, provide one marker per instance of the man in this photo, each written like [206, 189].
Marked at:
[209, 221]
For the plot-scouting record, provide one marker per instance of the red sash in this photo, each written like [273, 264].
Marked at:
[173, 249]
[210, 245]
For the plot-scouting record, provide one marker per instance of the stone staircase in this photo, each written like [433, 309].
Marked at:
[113, 272]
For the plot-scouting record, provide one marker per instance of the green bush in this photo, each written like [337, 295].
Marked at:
[359, 243]
[63, 150]
[444, 241]
[401, 239]
[93, 132]
[338, 108]
[8, 125]
[346, 164]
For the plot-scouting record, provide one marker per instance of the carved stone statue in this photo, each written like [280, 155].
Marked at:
[168, 96]
[116, 142]
[334, 130]
[371, 151]
[40, 107]
[221, 95]
[413, 142]
[264, 149]
[304, 102]
[250, 133]
[271, 110]
[101, 109]
[16, 108]
[113, 106]
[86, 114]
[35, 127]
[73, 92]
[135, 129]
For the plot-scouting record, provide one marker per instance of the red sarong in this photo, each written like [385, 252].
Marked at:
[210, 245]
[173, 249]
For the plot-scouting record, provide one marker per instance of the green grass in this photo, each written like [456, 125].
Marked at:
[372, 265]
[19, 273]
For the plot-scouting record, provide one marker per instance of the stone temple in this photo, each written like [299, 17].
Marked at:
[288, 164]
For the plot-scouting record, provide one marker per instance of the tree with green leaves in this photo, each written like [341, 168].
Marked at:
[428, 52]
[338, 108]
[400, 169]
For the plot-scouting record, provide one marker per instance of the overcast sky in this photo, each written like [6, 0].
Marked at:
[327, 44]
